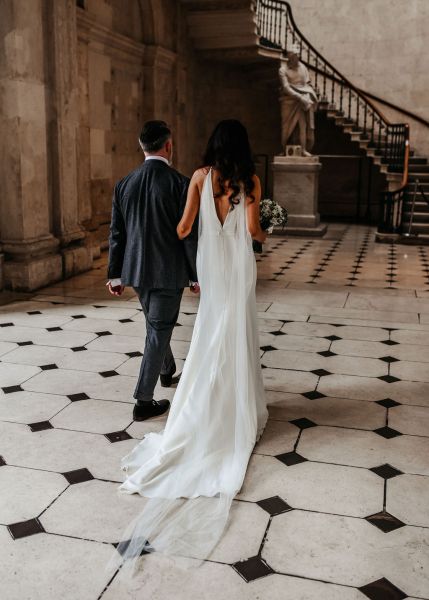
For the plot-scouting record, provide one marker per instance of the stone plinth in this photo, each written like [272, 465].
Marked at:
[296, 184]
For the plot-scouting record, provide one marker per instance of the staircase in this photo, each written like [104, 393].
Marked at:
[249, 31]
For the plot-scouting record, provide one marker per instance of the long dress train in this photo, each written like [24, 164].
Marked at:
[192, 470]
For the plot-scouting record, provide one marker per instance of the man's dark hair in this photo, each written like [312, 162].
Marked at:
[154, 135]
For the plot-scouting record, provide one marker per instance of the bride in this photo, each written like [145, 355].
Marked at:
[192, 470]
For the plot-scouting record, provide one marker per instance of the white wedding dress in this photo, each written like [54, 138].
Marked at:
[192, 470]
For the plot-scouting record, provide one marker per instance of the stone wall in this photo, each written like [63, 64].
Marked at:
[380, 45]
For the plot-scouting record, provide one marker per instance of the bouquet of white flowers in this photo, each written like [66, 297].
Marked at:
[272, 215]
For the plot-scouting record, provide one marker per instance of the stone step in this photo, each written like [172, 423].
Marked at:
[419, 168]
[418, 217]
[418, 160]
[420, 204]
[421, 177]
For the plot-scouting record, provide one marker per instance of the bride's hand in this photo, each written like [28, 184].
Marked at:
[195, 288]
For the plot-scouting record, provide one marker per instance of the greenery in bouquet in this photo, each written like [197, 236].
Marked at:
[272, 215]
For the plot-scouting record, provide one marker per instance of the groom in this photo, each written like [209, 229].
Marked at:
[146, 253]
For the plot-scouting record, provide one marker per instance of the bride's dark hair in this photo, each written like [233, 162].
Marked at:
[228, 151]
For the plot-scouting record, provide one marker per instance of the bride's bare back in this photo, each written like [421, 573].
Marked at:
[222, 204]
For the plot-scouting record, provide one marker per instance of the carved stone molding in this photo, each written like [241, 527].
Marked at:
[115, 44]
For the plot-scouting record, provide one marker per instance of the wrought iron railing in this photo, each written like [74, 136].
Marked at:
[416, 188]
[277, 30]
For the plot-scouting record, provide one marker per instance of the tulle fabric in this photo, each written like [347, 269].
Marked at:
[193, 469]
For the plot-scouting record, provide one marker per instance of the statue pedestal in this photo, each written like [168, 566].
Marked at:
[296, 186]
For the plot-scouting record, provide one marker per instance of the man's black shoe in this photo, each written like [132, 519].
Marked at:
[168, 380]
[147, 410]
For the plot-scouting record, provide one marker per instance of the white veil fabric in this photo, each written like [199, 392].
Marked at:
[192, 470]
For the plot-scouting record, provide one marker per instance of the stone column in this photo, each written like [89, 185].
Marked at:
[64, 134]
[25, 227]
[296, 186]
[160, 86]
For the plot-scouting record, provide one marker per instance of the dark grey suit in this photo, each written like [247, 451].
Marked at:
[145, 252]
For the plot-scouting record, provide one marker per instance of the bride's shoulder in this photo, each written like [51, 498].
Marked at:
[256, 181]
[200, 173]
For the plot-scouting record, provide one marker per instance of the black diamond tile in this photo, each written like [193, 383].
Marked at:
[108, 373]
[387, 432]
[388, 378]
[252, 568]
[386, 471]
[6, 324]
[48, 367]
[2, 461]
[274, 505]
[133, 354]
[389, 359]
[78, 476]
[25, 343]
[314, 395]
[101, 333]
[122, 547]
[25, 528]
[125, 321]
[10, 389]
[388, 403]
[327, 353]
[53, 328]
[385, 521]
[34, 312]
[117, 436]
[78, 348]
[303, 423]
[77, 397]
[382, 589]
[290, 458]
[321, 372]
[277, 333]
[268, 348]
[333, 338]
[40, 426]
[78, 316]
[389, 342]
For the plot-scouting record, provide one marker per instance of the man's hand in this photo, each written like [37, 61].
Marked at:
[115, 290]
[195, 288]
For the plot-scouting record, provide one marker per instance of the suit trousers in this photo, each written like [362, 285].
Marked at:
[161, 309]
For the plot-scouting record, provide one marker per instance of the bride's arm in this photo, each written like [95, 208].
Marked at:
[253, 216]
[192, 207]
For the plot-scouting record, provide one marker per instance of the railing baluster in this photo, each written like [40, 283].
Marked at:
[364, 118]
[324, 83]
[317, 74]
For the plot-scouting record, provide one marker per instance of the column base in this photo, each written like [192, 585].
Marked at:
[26, 271]
[29, 275]
[317, 231]
[75, 260]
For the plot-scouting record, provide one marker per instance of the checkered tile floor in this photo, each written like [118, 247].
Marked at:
[335, 505]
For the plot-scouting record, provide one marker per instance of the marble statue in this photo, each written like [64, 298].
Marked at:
[298, 102]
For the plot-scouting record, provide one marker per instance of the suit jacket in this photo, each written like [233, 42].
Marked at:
[144, 250]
